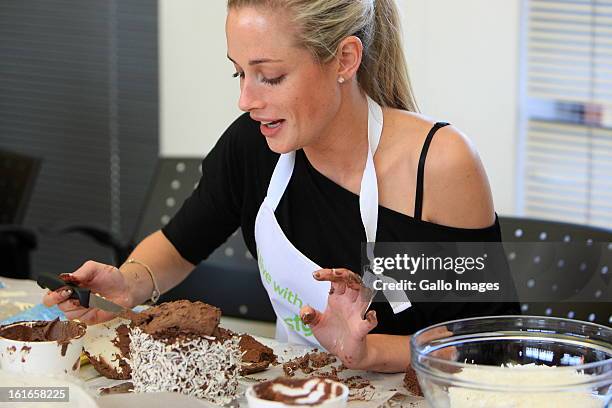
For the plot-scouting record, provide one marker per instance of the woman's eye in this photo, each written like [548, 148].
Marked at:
[273, 81]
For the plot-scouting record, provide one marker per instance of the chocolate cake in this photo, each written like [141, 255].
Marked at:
[180, 319]
[304, 391]
[412, 383]
[181, 331]
[255, 356]
[110, 360]
[177, 347]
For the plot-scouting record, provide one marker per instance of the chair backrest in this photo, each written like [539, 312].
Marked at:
[173, 182]
[17, 178]
[229, 278]
[550, 258]
[18, 175]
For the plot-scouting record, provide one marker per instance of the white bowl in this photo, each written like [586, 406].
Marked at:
[40, 357]
[336, 402]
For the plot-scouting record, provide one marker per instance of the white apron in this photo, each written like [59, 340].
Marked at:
[287, 273]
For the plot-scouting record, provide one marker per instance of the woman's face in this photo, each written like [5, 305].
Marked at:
[281, 85]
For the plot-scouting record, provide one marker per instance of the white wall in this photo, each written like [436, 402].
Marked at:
[463, 59]
[198, 96]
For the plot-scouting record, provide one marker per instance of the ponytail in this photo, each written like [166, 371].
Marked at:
[383, 74]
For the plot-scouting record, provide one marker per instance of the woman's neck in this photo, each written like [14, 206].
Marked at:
[340, 154]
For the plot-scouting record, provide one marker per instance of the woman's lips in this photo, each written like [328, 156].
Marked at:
[271, 128]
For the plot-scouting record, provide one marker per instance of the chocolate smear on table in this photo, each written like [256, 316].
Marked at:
[118, 389]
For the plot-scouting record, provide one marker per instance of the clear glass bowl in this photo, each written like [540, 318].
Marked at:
[472, 363]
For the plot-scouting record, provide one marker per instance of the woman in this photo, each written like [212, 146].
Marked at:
[330, 153]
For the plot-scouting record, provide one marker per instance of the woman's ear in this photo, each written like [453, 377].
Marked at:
[349, 55]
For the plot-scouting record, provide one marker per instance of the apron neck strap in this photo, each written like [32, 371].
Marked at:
[368, 194]
[280, 179]
[375, 124]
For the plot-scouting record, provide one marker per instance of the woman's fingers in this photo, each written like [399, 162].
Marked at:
[369, 322]
[436, 333]
[338, 288]
[89, 316]
[310, 316]
[54, 297]
[447, 353]
[70, 305]
[73, 310]
[343, 282]
[363, 300]
[75, 313]
[349, 278]
[354, 281]
[85, 274]
[332, 275]
[352, 295]
[86, 316]
[81, 277]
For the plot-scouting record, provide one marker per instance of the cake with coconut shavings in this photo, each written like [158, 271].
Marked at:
[177, 347]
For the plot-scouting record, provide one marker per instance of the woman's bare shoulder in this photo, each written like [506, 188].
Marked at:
[456, 188]
[406, 123]
[404, 132]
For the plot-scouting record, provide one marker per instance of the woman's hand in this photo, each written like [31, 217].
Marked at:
[105, 280]
[342, 328]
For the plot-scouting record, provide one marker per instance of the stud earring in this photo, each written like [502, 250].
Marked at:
[340, 80]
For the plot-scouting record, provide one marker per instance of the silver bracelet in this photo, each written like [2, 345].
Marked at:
[156, 292]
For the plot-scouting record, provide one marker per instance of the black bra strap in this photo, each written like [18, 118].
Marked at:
[418, 199]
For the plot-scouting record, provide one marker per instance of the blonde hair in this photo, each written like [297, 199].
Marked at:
[323, 24]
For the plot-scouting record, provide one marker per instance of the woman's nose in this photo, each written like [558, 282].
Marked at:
[249, 98]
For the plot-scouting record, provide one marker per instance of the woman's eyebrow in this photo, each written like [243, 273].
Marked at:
[256, 61]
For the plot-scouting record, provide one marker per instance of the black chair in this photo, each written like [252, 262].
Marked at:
[18, 175]
[229, 278]
[557, 260]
